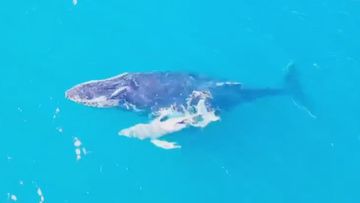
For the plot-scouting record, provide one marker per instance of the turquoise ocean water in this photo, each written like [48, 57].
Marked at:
[266, 151]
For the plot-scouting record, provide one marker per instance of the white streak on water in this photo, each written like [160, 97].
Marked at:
[305, 109]
[41, 195]
[79, 149]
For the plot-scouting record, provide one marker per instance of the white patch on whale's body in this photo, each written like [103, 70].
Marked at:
[170, 120]
[100, 102]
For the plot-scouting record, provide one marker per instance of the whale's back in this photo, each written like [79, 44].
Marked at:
[151, 91]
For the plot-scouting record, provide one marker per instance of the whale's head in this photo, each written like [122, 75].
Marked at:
[100, 93]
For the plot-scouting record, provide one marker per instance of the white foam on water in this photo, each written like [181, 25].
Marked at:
[79, 149]
[57, 111]
[12, 197]
[78, 154]
[60, 129]
[20, 109]
[41, 195]
[75, 2]
[219, 84]
[77, 142]
[207, 116]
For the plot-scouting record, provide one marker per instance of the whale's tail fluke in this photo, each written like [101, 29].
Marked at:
[293, 87]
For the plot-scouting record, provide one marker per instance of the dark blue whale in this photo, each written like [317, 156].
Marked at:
[177, 100]
[152, 91]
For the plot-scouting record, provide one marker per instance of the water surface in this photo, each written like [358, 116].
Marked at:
[266, 151]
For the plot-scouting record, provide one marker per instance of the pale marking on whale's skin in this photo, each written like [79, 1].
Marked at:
[121, 89]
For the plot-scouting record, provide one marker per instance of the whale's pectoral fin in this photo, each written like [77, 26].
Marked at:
[165, 144]
[156, 128]
[141, 131]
